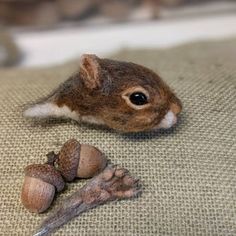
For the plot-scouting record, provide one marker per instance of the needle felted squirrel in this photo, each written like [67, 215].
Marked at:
[121, 95]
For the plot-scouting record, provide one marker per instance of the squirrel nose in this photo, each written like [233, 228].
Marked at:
[175, 108]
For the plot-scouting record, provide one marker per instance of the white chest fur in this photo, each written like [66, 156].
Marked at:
[52, 110]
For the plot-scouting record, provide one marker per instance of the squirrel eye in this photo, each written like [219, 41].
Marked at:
[138, 98]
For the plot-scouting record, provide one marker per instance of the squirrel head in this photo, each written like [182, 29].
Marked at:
[121, 95]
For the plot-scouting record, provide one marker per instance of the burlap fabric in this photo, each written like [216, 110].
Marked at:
[187, 173]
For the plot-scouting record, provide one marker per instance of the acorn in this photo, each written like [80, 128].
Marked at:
[41, 183]
[80, 160]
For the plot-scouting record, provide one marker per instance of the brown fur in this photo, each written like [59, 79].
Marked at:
[96, 90]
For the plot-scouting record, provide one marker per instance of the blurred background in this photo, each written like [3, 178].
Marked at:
[49, 32]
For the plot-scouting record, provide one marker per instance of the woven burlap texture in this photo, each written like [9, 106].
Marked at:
[187, 173]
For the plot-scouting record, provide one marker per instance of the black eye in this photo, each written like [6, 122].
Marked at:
[138, 98]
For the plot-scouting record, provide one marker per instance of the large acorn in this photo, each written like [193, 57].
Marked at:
[80, 160]
[39, 187]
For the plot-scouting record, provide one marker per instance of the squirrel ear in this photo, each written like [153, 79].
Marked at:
[91, 70]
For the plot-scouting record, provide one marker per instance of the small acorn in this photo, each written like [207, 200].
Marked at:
[80, 160]
[39, 187]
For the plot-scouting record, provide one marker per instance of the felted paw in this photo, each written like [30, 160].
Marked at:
[119, 183]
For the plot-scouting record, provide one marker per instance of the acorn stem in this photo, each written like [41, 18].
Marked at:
[51, 158]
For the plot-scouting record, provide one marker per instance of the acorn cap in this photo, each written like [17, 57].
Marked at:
[46, 173]
[68, 160]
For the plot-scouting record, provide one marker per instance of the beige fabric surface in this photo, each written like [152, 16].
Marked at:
[187, 173]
